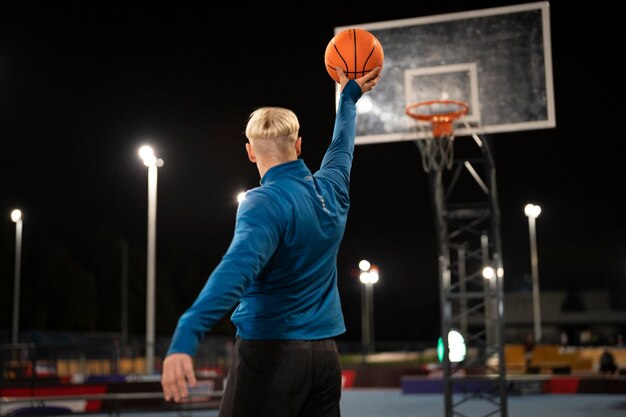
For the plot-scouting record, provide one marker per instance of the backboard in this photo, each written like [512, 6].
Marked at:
[497, 60]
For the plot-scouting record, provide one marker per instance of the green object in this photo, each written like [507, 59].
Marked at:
[456, 348]
[440, 349]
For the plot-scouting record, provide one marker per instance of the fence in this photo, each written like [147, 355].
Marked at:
[64, 355]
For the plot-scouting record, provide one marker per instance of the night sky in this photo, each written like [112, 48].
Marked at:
[83, 86]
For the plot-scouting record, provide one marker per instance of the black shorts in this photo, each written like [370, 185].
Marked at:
[283, 378]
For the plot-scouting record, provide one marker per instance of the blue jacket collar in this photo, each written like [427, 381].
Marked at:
[297, 168]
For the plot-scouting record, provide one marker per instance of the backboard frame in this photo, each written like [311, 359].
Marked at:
[464, 75]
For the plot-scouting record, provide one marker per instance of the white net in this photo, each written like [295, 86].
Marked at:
[437, 145]
[437, 152]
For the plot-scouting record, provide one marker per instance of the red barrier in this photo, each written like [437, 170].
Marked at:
[347, 378]
[561, 385]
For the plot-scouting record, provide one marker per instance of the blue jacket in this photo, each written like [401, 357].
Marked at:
[281, 265]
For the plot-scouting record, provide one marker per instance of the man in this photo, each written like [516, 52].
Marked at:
[608, 366]
[280, 271]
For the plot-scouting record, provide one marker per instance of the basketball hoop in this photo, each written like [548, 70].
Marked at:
[441, 114]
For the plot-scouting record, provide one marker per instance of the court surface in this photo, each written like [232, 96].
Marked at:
[376, 402]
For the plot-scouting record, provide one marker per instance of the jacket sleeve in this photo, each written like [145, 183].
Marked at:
[337, 161]
[256, 237]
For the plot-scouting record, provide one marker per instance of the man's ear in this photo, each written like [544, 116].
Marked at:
[250, 151]
[298, 146]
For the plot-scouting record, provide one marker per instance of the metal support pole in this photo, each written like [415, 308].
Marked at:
[535, 277]
[124, 296]
[462, 290]
[151, 266]
[370, 317]
[364, 335]
[16, 286]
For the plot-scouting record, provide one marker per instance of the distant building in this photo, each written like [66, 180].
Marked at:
[565, 317]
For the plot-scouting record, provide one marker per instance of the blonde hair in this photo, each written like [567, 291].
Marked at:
[272, 130]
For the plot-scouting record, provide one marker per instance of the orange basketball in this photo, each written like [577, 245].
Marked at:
[357, 51]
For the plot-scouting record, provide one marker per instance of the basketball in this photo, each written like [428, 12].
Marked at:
[357, 51]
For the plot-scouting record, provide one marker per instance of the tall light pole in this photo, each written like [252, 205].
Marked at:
[532, 211]
[124, 295]
[152, 162]
[16, 216]
[368, 277]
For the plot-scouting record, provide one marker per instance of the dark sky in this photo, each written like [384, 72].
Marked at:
[82, 86]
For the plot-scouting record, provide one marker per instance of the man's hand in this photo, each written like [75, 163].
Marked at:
[177, 376]
[366, 82]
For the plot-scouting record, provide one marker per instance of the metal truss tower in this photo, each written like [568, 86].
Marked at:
[467, 222]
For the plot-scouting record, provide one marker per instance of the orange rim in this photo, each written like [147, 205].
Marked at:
[441, 122]
[438, 117]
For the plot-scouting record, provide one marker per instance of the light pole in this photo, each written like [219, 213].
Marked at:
[124, 295]
[532, 211]
[152, 162]
[368, 277]
[16, 216]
